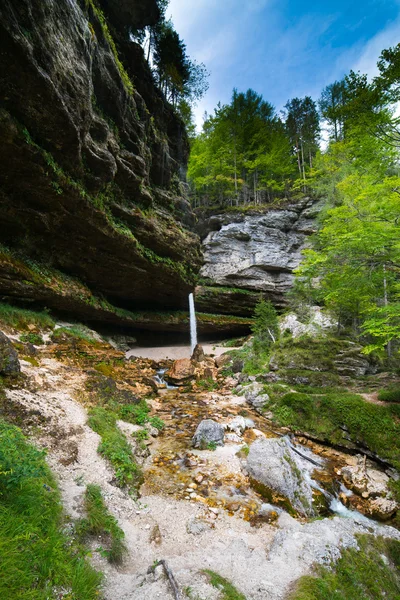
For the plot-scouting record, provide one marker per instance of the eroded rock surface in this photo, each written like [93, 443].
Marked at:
[273, 464]
[253, 253]
[9, 363]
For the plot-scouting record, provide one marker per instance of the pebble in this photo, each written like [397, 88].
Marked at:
[214, 510]
[199, 478]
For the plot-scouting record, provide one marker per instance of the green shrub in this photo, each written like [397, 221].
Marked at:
[369, 573]
[100, 523]
[36, 556]
[391, 395]
[115, 448]
[157, 423]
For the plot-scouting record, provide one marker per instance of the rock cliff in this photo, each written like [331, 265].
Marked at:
[91, 159]
[249, 253]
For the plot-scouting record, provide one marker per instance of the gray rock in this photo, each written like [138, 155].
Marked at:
[208, 432]
[273, 463]
[9, 363]
[263, 249]
[197, 526]
[255, 397]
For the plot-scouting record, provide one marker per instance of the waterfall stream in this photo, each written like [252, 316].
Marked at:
[193, 326]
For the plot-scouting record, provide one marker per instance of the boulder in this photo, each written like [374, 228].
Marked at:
[181, 372]
[198, 354]
[273, 464]
[9, 363]
[208, 432]
[383, 508]
[255, 397]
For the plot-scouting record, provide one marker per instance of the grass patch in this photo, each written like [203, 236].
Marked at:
[37, 559]
[100, 523]
[73, 333]
[228, 591]
[369, 573]
[208, 384]
[335, 417]
[391, 395]
[20, 318]
[115, 448]
[32, 338]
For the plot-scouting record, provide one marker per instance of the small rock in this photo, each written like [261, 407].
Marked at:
[208, 432]
[197, 526]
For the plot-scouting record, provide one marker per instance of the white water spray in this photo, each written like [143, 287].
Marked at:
[193, 327]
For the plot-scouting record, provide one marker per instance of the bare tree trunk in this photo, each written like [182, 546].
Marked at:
[385, 301]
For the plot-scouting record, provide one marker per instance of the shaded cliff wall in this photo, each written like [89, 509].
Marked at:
[92, 157]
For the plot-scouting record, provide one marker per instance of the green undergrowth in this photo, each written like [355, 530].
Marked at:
[390, 395]
[32, 338]
[21, 318]
[38, 559]
[369, 573]
[100, 523]
[228, 591]
[75, 332]
[215, 290]
[115, 448]
[336, 416]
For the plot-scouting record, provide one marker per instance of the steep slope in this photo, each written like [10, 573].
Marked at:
[91, 172]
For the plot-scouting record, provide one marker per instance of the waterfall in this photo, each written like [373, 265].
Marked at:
[193, 328]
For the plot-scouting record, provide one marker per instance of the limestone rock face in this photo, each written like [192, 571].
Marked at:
[208, 432]
[273, 464]
[92, 157]
[9, 363]
[256, 252]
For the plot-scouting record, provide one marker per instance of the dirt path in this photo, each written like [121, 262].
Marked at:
[262, 561]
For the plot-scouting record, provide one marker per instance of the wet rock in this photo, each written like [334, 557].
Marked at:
[9, 363]
[181, 372]
[273, 464]
[208, 432]
[364, 480]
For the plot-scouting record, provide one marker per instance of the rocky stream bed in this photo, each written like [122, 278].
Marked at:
[213, 508]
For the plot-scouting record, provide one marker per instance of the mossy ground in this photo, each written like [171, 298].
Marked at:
[228, 591]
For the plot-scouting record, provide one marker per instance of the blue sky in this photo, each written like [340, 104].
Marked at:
[283, 48]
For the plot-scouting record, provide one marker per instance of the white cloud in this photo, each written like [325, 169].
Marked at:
[366, 63]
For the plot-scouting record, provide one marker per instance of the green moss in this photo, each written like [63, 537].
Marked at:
[227, 590]
[75, 332]
[335, 417]
[20, 318]
[115, 448]
[371, 572]
[101, 524]
[107, 35]
[37, 558]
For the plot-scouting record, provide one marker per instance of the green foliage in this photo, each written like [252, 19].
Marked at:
[211, 446]
[207, 384]
[265, 327]
[20, 318]
[242, 156]
[36, 557]
[32, 338]
[302, 124]
[328, 416]
[391, 395]
[100, 523]
[228, 591]
[157, 423]
[135, 413]
[115, 448]
[141, 434]
[370, 572]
